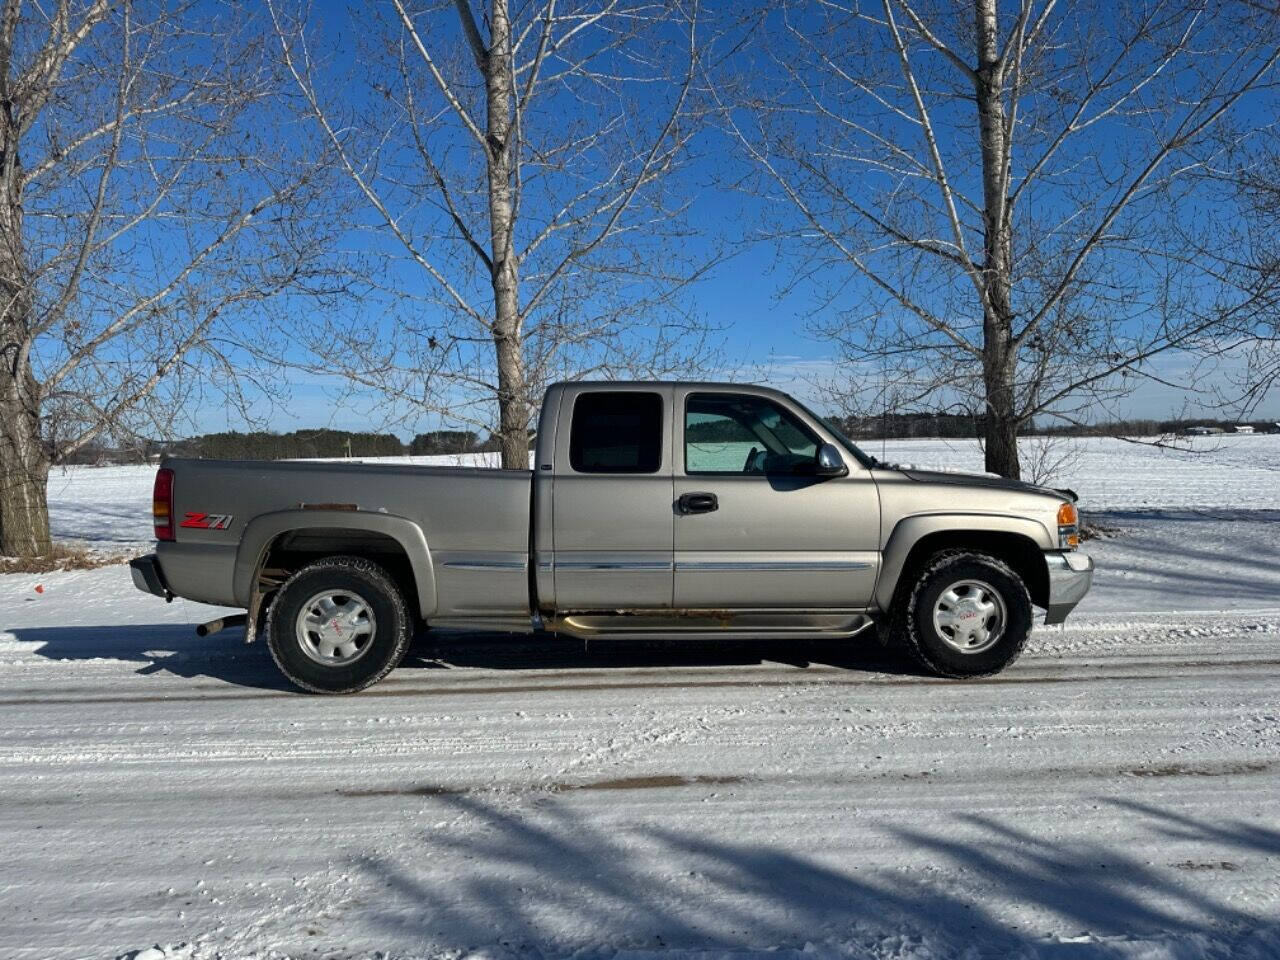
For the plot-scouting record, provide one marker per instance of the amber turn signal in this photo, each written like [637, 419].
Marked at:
[1068, 527]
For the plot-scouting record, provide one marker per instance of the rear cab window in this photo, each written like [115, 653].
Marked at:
[616, 432]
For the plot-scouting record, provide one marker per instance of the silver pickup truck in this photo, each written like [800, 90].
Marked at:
[654, 510]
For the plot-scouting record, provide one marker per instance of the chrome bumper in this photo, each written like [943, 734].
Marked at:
[1070, 575]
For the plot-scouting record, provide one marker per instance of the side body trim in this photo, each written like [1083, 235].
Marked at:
[484, 564]
[773, 565]
[606, 564]
[780, 564]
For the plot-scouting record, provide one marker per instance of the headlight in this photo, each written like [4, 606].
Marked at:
[1068, 527]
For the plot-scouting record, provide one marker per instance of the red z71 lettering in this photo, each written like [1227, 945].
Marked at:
[207, 521]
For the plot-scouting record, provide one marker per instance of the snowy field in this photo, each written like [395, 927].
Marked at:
[111, 506]
[1115, 794]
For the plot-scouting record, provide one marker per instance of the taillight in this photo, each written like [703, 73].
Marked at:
[162, 504]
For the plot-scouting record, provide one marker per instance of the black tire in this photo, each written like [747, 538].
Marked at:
[936, 650]
[375, 653]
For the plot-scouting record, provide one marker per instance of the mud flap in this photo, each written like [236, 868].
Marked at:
[256, 616]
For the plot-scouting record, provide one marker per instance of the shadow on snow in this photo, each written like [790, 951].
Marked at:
[543, 880]
[176, 650]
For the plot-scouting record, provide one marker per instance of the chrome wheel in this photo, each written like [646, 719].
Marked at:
[970, 616]
[335, 627]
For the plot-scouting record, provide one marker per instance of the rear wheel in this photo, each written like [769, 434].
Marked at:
[966, 615]
[338, 625]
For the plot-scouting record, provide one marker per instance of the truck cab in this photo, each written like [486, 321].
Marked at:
[683, 508]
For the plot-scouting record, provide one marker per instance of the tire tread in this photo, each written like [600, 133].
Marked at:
[380, 579]
[906, 630]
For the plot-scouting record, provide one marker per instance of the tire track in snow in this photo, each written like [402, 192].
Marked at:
[619, 751]
[1030, 671]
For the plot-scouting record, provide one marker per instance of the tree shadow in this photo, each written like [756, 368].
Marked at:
[1232, 834]
[1249, 571]
[545, 880]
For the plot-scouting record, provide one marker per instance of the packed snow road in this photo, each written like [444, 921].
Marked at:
[1116, 793]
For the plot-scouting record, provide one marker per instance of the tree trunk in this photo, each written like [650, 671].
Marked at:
[1000, 427]
[24, 504]
[999, 355]
[24, 460]
[513, 403]
[513, 408]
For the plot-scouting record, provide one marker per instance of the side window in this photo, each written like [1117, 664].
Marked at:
[616, 432]
[737, 434]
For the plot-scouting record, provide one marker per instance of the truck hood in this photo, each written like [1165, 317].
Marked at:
[989, 480]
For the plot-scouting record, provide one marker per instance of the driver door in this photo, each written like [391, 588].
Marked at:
[752, 530]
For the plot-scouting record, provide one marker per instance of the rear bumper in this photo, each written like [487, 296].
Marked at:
[147, 576]
[1070, 575]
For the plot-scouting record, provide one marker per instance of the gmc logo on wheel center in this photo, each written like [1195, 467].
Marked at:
[207, 521]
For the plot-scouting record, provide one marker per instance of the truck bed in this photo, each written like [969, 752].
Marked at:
[476, 520]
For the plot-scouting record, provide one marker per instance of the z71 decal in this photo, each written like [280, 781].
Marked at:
[207, 521]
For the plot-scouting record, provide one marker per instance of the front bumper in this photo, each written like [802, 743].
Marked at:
[147, 576]
[1070, 575]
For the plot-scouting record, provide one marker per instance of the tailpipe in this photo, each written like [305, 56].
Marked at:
[214, 626]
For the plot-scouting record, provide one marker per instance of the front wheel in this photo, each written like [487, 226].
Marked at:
[338, 625]
[966, 615]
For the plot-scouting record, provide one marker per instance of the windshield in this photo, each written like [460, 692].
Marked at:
[865, 459]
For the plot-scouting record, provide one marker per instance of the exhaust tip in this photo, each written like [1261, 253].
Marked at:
[215, 626]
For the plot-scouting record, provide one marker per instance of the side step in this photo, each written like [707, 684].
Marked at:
[705, 624]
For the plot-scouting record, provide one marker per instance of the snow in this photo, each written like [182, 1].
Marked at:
[111, 506]
[1114, 794]
[1229, 471]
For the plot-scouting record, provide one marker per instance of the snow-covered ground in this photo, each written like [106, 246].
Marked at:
[111, 506]
[1115, 794]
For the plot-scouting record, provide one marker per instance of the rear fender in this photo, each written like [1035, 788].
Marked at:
[263, 530]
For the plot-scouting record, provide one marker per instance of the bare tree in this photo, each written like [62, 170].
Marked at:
[1245, 256]
[517, 163]
[999, 200]
[141, 210]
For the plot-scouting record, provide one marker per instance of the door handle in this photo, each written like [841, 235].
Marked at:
[700, 502]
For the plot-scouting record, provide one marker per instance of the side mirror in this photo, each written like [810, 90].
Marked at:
[829, 462]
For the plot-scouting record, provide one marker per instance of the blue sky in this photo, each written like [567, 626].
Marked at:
[764, 336]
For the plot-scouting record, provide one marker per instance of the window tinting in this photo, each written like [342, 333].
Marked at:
[736, 433]
[617, 432]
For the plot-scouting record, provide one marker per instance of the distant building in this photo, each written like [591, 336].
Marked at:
[1244, 428]
[1203, 431]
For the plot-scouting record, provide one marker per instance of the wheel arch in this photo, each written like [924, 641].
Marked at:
[1017, 541]
[281, 542]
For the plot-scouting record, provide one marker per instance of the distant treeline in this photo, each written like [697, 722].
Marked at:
[303, 444]
[898, 426]
[901, 426]
[297, 445]
[306, 444]
[1154, 428]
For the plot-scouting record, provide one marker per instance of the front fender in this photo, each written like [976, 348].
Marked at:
[261, 531]
[911, 530]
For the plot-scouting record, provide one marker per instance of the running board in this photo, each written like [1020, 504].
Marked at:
[720, 624]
